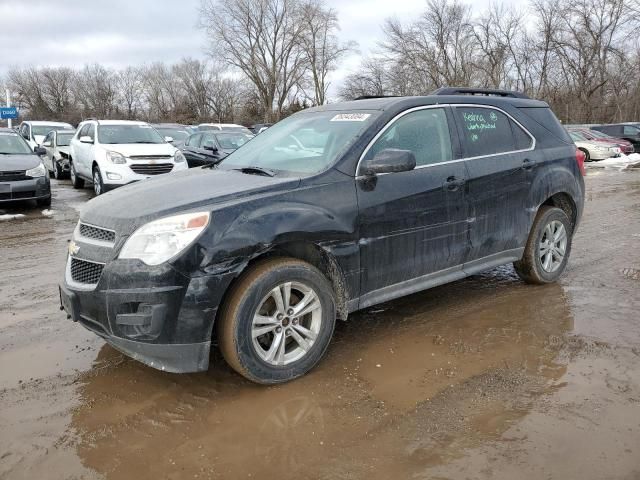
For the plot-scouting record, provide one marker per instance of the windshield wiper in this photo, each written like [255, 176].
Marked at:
[252, 170]
[144, 141]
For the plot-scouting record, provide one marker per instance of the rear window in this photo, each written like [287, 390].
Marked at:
[547, 120]
[486, 131]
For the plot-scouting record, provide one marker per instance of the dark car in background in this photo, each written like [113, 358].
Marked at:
[381, 198]
[628, 132]
[22, 173]
[176, 132]
[211, 146]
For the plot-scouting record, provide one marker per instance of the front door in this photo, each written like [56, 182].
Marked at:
[413, 225]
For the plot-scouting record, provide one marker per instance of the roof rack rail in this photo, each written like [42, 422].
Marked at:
[369, 97]
[479, 91]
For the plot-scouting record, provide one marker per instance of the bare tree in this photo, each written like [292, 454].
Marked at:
[321, 46]
[262, 39]
[130, 82]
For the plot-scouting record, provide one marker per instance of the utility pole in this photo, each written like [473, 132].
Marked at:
[8, 105]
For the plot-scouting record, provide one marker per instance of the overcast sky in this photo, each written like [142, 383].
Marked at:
[133, 32]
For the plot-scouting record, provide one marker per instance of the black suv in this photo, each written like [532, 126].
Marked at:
[331, 210]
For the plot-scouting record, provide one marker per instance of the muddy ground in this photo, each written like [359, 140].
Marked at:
[483, 378]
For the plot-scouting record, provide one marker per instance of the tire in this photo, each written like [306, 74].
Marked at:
[253, 293]
[75, 180]
[57, 171]
[587, 156]
[98, 185]
[534, 267]
[44, 202]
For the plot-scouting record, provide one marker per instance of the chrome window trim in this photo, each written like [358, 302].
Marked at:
[456, 160]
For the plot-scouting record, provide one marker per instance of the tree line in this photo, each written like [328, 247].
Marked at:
[269, 58]
[581, 56]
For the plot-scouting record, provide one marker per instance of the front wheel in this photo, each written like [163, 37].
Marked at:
[98, 186]
[278, 321]
[75, 180]
[548, 247]
[587, 156]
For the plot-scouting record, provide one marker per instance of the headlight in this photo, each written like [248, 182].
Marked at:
[38, 171]
[158, 241]
[179, 157]
[115, 157]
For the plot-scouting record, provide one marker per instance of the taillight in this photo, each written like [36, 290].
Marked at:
[580, 158]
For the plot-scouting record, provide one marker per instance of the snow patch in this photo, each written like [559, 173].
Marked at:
[7, 217]
[47, 213]
[621, 163]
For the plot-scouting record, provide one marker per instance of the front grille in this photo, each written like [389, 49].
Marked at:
[150, 157]
[97, 233]
[152, 169]
[83, 271]
[13, 176]
[17, 195]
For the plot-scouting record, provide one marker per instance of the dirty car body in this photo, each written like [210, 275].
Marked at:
[376, 232]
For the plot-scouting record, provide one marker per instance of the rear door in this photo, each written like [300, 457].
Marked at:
[413, 225]
[500, 161]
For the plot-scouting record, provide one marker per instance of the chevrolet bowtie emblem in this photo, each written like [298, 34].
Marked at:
[73, 248]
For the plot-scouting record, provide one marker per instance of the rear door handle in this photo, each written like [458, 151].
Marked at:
[453, 183]
[527, 164]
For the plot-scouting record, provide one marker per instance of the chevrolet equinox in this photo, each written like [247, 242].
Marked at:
[331, 210]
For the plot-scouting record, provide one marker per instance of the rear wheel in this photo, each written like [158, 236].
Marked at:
[98, 186]
[587, 157]
[278, 321]
[75, 180]
[548, 247]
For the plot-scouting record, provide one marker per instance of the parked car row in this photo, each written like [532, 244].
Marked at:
[599, 142]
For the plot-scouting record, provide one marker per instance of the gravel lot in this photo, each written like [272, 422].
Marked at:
[483, 378]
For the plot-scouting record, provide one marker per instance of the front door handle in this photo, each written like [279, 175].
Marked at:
[453, 183]
[527, 164]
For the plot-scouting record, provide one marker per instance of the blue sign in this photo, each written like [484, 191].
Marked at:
[8, 112]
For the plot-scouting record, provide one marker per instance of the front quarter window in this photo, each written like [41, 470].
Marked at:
[305, 143]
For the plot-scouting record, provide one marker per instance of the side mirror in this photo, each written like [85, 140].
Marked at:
[391, 160]
[168, 139]
[39, 151]
[86, 139]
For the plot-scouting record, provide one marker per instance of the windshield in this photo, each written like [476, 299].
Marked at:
[119, 134]
[575, 136]
[64, 139]
[232, 140]
[177, 135]
[13, 144]
[42, 130]
[303, 143]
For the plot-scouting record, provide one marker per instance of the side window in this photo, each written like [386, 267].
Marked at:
[522, 139]
[208, 141]
[485, 131]
[629, 130]
[194, 140]
[423, 132]
[91, 131]
[24, 131]
[83, 131]
[48, 138]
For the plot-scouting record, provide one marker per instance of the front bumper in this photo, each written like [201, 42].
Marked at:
[118, 175]
[32, 189]
[155, 315]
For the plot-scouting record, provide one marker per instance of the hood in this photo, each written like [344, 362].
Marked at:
[10, 163]
[141, 149]
[39, 139]
[127, 208]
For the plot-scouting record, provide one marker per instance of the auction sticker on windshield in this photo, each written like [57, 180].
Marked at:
[351, 117]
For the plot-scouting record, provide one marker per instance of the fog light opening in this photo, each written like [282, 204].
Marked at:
[114, 176]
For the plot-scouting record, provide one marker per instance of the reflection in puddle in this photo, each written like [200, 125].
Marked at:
[405, 385]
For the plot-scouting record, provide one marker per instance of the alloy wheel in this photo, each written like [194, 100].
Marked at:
[286, 323]
[553, 246]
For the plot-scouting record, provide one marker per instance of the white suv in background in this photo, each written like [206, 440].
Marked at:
[34, 132]
[111, 153]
